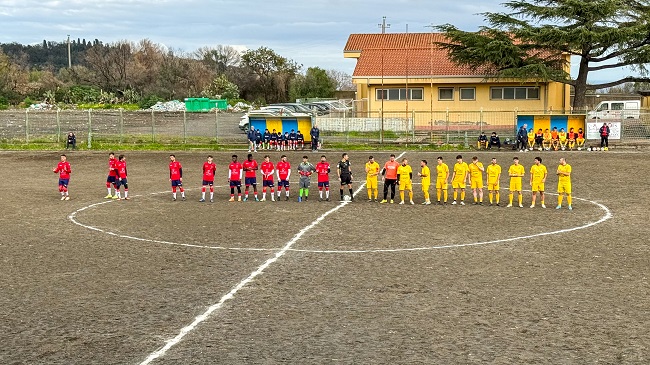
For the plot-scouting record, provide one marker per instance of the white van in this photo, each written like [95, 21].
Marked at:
[616, 109]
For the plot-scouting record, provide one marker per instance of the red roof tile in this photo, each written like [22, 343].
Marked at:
[403, 54]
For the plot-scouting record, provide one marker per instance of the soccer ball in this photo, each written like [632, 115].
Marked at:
[540, 149]
[606, 149]
[588, 148]
[346, 198]
[563, 148]
[579, 148]
[524, 151]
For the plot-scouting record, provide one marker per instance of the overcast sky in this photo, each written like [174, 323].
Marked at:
[310, 32]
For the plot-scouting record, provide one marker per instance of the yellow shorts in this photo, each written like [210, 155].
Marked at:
[405, 185]
[441, 185]
[371, 183]
[537, 186]
[515, 185]
[425, 187]
[493, 186]
[477, 184]
[564, 188]
[458, 184]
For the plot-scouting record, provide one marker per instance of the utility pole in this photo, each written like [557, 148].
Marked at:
[69, 58]
[383, 25]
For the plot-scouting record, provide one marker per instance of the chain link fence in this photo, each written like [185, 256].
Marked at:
[118, 127]
[153, 127]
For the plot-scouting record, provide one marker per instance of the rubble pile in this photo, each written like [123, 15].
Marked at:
[169, 106]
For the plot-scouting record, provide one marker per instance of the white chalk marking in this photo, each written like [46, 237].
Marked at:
[205, 315]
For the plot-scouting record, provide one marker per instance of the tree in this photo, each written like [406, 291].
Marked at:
[219, 58]
[342, 80]
[273, 71]
[530, 42]
[221, 88]
[315, 84]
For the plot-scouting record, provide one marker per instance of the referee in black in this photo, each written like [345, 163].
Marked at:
[345, 174]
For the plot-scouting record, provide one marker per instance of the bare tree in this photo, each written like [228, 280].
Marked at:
[219, 58]
[342, 80]
[110, 64]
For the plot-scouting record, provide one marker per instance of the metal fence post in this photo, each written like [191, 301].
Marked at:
[480, 120]
[347, 130]
[413, 125]
[121, 125]
[153, 128]
[58, 126]
[447, 123]
[90, 129]
[466, 142]
[184, 127]
[216, 126]
[27, 125]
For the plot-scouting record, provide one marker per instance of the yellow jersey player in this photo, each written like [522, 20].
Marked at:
[405, 176]
[372, 172]
[493, 173]
[538, 175]
[563, 183]
[442, 179]
[563, 139]
[516, 172]
[531, 139]
[546, 140]
[459, 179]
[476, 170]
[425, 174]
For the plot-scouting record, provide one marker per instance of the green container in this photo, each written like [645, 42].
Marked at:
[204, 104]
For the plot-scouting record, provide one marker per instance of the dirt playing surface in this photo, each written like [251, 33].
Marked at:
[368, 283]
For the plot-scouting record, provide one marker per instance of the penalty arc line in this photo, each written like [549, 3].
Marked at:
[205, 315]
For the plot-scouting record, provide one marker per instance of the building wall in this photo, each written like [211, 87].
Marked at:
[552, 97]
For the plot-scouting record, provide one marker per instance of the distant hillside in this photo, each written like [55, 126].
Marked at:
[48, 55]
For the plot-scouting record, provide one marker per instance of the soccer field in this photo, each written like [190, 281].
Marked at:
[152, 281]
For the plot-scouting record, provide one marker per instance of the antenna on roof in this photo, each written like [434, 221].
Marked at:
[383, 25]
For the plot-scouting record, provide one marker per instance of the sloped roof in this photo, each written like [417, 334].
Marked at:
[403, 54]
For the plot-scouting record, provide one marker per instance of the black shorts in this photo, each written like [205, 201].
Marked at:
[346, 179]
[390, 182]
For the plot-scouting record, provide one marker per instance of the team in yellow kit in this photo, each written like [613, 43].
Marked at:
[442, 179]
[538, 175]
[405, 177]
[476, 170]
[563, 183]
[472, 173]
[493, 173]
[372, 173]
[516, 172]
[425, 175]
[459, 180]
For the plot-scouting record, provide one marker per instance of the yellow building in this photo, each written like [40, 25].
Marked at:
[406, 72]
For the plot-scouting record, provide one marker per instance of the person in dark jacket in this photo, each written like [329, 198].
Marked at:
[494, 141]
[604, 135]
[252, 138]
[522, 138]
[315, 134]
[71, 142]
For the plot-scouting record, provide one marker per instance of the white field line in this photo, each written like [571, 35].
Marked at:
[205, 315]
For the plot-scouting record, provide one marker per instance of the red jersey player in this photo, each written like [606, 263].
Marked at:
[120, 168]
[250, 170]
[176, 177]
[234, 178]
[112, 176]
[209, 169]
[284, 171]
[267, 177]
[64, 170]
[323, 171]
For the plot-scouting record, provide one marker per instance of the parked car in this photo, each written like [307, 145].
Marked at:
[295, 107]
[335, 105]
[319, 108]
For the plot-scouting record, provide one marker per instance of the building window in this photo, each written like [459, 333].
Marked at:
[467, 93]
[514, 93]
[445, 93]
[400, 94]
